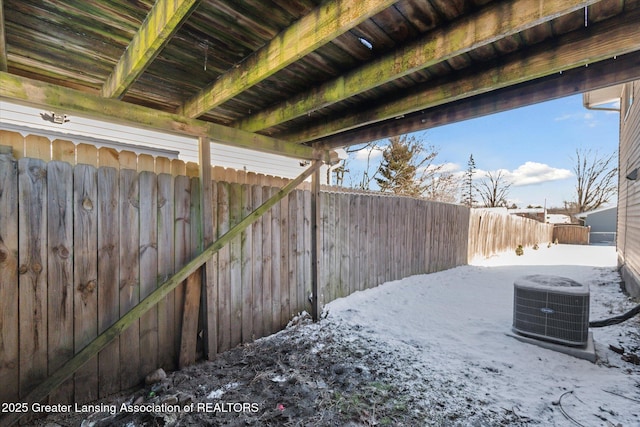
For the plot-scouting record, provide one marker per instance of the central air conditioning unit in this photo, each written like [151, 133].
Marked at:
[551, 308]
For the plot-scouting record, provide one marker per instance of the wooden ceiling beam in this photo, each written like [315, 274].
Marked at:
[496, 21]
[64, 100]
[164, 19]
[319, 27]
[3, 41]
[602, 74]
[607, 39]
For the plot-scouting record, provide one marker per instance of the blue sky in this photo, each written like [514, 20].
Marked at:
[536, 145]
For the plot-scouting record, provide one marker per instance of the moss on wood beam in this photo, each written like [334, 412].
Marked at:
[3, 41]
[49, 96]
[598, 42]
[496, 21]
[322, 25]
[161, 23]
[598, 75]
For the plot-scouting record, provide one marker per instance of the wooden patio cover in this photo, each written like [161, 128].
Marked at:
[288, 76]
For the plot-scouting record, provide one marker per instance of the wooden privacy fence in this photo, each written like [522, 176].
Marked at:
[571, 234]
[491, 233]
[86, 234]
[369, 239]
[81, 245]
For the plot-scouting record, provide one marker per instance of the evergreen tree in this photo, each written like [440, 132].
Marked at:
[401, 161]
[468, 198]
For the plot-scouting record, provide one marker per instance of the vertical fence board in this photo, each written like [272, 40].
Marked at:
[256, 256]
[182, 241]
[364, 250]
[108, 276]
[285, 297]
[212, 268]
[64, 151]
[148, 249]
[37, 147]
[166, 257]
[129, 275]
[85, 296]
[292, 240]
[9, 290]
[235, 265]
[332, 260]
[191, 320]
[189, 335]
[343, 244]
[14, 140]
[300, 226]
[60, 273]
[353, 230]
[32, 230]
[372, 242]
[246, 238]
[305, 288]
[224, 274]
[267, 259]
[276, 263]
[108, 157]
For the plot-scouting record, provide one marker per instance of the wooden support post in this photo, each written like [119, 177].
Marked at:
[197, 290]
[83, 356]
[209, 289]
[315, 242]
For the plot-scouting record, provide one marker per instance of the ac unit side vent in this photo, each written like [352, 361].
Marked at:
[551, 308]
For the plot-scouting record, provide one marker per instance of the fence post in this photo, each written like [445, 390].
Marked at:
[209, 290]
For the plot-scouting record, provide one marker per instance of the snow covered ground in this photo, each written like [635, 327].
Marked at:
[454, 325]
[428, 350]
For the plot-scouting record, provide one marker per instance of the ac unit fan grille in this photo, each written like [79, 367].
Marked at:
[552, 316]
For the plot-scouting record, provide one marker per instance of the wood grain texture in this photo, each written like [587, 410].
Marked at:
[60, 248]
[108, 275]
[129, 274]
[85, 277]
[9, 290]
[32, 255]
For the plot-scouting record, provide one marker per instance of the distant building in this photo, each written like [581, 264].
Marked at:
[602, 222]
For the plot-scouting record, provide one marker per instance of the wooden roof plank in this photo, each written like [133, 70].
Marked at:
[601, 41]
[488, 25]
[3, 41]
[610, 72]
[163, 21]
[46, 95]
[307, 34]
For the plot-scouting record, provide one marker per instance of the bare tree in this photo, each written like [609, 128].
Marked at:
[596, 179]
[363, 180]
[442, 187]
[494, 190]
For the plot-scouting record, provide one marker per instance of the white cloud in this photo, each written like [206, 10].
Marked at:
[444, 167]
[369, 153]
[531, 173]
[588, 118]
